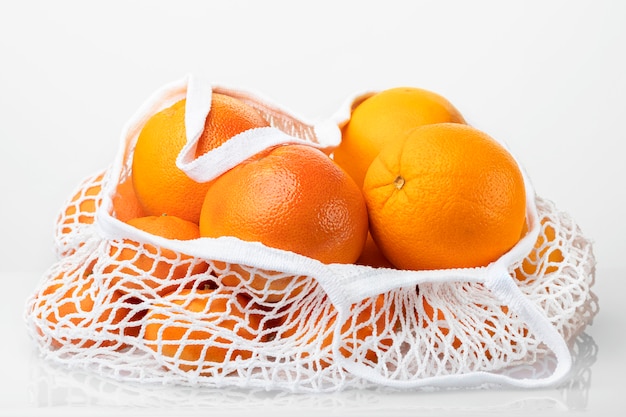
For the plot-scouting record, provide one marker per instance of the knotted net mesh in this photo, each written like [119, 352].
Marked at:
[136, 311]
[136, 308]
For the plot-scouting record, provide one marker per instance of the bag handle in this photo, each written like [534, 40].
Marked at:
[240, 147]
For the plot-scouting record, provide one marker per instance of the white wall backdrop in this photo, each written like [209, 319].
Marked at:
[547, 77]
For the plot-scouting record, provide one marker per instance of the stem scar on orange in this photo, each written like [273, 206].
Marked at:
[446, 196]
[161, 187]
[385, 117]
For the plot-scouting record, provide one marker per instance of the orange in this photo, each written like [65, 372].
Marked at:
[262, 285]
[228, 117]
[386, 117]
[369, 322]
[145, 266]
[545, 256]
[439, 319]
[82, 304]
[490, 329]
[161, 187]
[372, 256]
[126, 206]
[291, 197]
[170, 227]
[84, 203]
[203, 330]
[82, 206]
[79, 211]
[446, 196]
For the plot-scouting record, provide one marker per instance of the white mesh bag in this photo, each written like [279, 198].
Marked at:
[132, 306]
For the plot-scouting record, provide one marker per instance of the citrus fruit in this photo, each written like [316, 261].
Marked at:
[170, 227]
[489, 337]
[203, 331]
[81, 207]
[137, 266]
[228, 117]
[293, 197]
[161, 187]
[126, 206]
[262, 285]
[368, 324]
[446, 196]
[385, 117]
[546, 255]
[290, 197]
[436, 317]
[79, 211]
[80, 305]
[372, 256]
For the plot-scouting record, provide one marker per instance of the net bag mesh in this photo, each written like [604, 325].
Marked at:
[132, 306]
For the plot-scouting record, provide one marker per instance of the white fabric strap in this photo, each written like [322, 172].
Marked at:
[230, 154]
[238, 148]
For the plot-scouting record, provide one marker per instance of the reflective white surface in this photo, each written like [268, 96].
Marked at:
[546, 77]
[32, 386]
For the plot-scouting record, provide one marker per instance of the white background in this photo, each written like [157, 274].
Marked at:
[546, 77]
